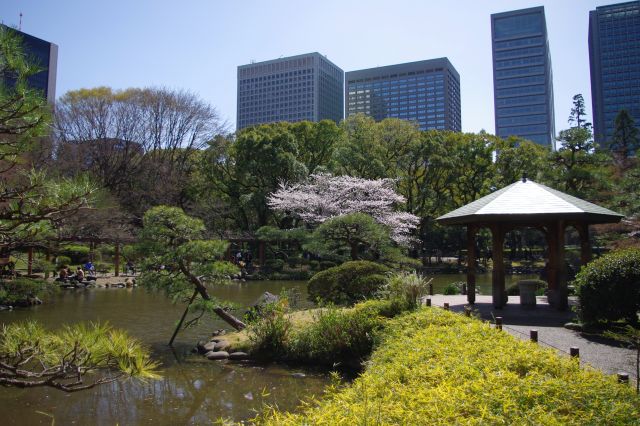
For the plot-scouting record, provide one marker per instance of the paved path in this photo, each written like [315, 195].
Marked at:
[600, 353]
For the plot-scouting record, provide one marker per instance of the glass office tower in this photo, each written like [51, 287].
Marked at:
[45, 55]
[297, 88]
[522, 78]
[614, 57]
[424, 92]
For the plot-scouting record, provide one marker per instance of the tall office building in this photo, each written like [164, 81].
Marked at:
[45, 55]
[522, 78]
[425, 92]
[614, 56]
[297, 88]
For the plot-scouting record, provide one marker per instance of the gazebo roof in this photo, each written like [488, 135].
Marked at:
[525, 201]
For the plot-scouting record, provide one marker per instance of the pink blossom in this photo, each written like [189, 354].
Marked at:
[325, 196]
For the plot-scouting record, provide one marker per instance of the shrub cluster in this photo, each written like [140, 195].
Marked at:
[348, 283]
[608, 288]
[77, 254]
[336, 336]
[332, 336]
[269, 334]
[20, 291]
[437, 367]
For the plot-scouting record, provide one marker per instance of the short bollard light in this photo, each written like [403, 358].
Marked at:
[533, 334]
[623, 377]
[499, 323]
[446, 306]
[429, 302]
[574, 352]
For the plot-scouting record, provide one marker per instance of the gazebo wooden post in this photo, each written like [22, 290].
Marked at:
[585, 244]
[556, 277]
[117, 260]
[261, 247]
[497, 255]
[471, 263]
[30, 261]
[47, 257]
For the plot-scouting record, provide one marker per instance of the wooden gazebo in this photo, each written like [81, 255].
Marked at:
[527, 204]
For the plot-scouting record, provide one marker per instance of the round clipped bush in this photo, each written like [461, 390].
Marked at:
[608, 288]
[275, 264]
[348, 283]
[78, 253]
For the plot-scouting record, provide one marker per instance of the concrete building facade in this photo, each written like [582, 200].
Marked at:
[614, 57]
[425, 92]
[45, 55]
[522, 76]
[296, 88]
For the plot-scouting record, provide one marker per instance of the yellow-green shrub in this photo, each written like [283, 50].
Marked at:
[437, 367]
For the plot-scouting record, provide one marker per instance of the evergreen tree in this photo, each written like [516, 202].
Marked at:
[626, 137]
[578, 113]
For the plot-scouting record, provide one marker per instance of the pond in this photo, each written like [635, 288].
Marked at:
[193, 390]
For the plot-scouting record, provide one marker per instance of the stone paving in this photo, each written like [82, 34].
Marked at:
[600, 353]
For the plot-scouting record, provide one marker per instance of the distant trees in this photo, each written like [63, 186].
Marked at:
[138, 143]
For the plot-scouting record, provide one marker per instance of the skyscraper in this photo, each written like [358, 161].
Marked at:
[522, 78]
[297, 88]
[614, 57]
[425, 92]
[45, 55]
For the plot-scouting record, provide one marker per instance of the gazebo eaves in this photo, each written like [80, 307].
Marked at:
[529, 219]
[525, 201]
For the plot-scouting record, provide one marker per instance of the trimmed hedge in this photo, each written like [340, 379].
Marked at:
[437, 367]
[348, 283]
[608, 288]
[77, 253]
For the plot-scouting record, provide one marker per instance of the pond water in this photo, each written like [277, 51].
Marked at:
[193, 390]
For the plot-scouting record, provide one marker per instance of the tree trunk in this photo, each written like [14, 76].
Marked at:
[354, 251]
[200, 288]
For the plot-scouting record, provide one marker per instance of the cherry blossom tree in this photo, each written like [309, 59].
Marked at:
[325, 196]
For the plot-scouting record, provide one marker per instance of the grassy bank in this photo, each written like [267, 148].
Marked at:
[436, 367]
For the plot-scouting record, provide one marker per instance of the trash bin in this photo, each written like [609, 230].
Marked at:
[528, 292]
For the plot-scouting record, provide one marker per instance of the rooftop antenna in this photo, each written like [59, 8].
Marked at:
[20, 24]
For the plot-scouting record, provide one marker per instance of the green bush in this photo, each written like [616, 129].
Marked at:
[387, 308]
[451, 289]
[63, 261]
[77, 253]
[406, 287]
[314, 265]
[348, 283]
[21, 291]
[42, 265]
[269, 333]
[608, 288]
[326, 264]
[336, 336]
[438, 367]
[275, 264]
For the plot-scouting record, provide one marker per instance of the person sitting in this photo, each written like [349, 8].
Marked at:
[79, 274]
[130, 268]
[63, 275]
[91, 270]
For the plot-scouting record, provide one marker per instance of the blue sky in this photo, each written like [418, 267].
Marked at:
[197, 45]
